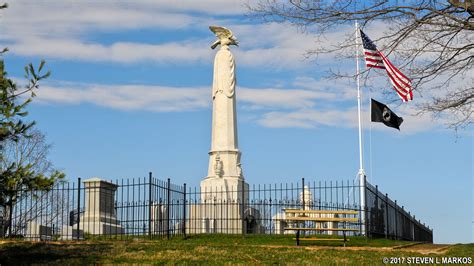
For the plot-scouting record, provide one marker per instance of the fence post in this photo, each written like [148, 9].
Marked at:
[184, 210]
[414, 227]
[411, 226]
[78, 206]
[242, 213]
[376, 209]
[386, 216]
[396, 220]
[150, 179]
[302, 189]
[10, 219]
[403, 223]
[366, 223]
[168, 209]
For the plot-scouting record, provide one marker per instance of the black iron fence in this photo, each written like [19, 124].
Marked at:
[94, 208]
[386, 219]
[259, 209]
[151, 208]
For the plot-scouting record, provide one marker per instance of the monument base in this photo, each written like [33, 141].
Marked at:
[215, 218]
[224, 188]
[223, 218]
[223, 208]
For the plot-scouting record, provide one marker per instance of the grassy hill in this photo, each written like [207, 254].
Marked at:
[220, 249]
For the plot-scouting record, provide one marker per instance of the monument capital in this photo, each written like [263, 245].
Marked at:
[97, 182]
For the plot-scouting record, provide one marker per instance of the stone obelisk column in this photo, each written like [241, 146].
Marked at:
[224, 171]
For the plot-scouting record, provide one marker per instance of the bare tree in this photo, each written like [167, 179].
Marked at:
[31, 150]
[50, 208]
[26, 161]
[433, 41]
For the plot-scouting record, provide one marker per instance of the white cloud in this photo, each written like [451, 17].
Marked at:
[162, 98]
[132, 97]
[124, 52]
[310, 118]
[346, 118]
[225, 7]
[275, 108]
[183, 51]
[281, 45]
[259, 48]
[70, 17]
[257, 98]
[337, 90]
[61, 29]
[127, 97]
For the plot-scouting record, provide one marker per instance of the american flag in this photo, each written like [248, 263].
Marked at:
[376, 59]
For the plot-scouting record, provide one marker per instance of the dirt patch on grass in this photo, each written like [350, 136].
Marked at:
[330, 248]
[418, 248]
[424, 249]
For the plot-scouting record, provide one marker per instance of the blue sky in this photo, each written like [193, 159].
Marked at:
[130, 93]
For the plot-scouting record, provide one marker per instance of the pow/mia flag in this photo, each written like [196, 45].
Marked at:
[381, 113]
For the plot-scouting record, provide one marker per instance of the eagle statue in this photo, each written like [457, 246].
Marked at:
[224, 35]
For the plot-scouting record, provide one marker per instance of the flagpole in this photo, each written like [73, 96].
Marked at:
[361, 166]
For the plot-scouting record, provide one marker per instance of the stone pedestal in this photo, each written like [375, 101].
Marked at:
[224, 189]
[222, 207]
[99, 216]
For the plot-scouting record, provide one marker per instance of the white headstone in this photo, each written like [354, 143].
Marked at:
[159, 220]
[36, 231]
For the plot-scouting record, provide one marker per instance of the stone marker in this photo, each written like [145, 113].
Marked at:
[36, 231]
[159, 220]
[223, 191]
[99, 216]
[225, 170]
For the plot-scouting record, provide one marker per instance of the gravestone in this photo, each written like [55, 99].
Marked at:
[70, 233]
[36, 231]
[159, 222]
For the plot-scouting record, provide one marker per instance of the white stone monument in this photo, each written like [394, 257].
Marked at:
[99, 216]
[223, 191]
[224, 171]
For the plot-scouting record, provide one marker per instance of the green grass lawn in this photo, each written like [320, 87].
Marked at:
[220, 249]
